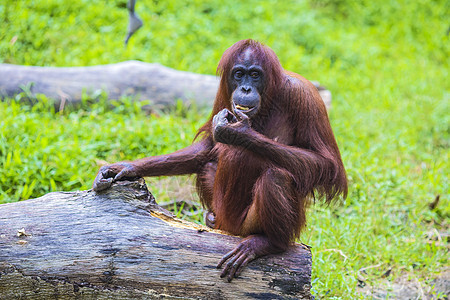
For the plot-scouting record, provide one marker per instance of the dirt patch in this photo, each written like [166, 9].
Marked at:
[409, 287]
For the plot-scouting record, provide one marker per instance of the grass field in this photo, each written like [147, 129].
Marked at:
[386, 63]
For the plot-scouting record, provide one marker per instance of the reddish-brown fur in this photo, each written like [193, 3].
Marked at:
[292, 154]
[257, 184]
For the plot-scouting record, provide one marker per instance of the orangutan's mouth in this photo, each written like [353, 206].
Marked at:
[244, 109]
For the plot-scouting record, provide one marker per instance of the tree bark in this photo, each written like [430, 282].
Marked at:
[120, 244]
[162, 85]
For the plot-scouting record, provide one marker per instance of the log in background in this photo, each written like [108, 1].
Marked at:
[143, 81]
[120, 244]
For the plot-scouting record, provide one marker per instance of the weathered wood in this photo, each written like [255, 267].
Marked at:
[120, 244]
[162, 85]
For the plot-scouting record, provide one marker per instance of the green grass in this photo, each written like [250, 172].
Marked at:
[386, 63]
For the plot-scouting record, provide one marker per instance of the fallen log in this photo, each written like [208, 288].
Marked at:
[144, 81]
[119, 244]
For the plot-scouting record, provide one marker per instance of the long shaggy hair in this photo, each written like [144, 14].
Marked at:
[295, 98]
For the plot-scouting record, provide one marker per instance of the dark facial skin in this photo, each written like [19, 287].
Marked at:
[247, 82]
